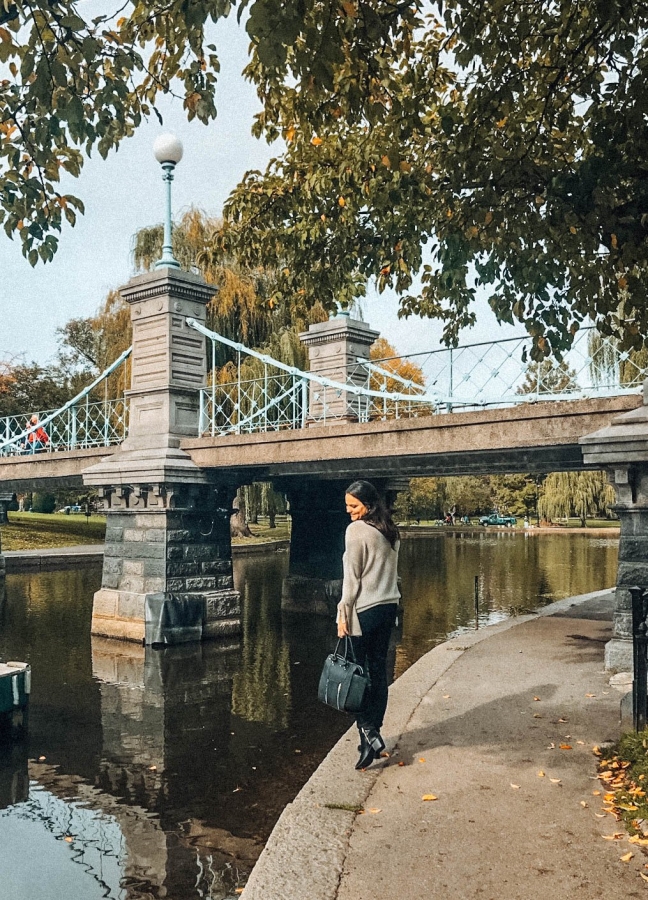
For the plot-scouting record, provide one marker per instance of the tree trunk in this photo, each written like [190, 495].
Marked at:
[238, 523]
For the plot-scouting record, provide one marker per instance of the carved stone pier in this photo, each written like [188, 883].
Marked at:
[167, 575]
[622, 449]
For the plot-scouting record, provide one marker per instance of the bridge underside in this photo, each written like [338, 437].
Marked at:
[48, 471]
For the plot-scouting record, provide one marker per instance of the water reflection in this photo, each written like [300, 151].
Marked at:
[160, 773]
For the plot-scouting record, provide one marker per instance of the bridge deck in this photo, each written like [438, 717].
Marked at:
[530, 437]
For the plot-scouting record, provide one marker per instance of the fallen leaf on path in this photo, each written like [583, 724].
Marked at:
[429, 797]
[566, 747]
[600, 815]
[555, 780]
[563, 720]
[645, 877]
[596, 793]
[613, 837]
[401, 763]
[236, 789]
[446, 696]
[537, 716]
[42, 758]
[421, 759]
[635, 839]
[68, 839]
[152, 768]
[608, 798]
[516, 787]
[590, 695]
[584, 804]
[551, 746]
[627, 856]
[596, 750]
[385, 755]
[582, 743]
[374, 810]
[239, 890]
[536, 698]
[541, 774]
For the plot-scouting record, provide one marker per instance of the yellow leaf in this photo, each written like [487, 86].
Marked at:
[645, 877]
[583, 803]
[374, 810]
[386, 161]
[566, 747]
[502, 122]
[596, 750]
[342, 201]
[572, 229]
[627, 856]
[608, 798]
[590, 695]
[422, 759]
[536, 698]
[516, 787]
[613, 837]
[596, 793]
[349, 8]
[429, 797]
[290, 134]
[446, 696]
[622, 282]
[5, 37]
[488, 218]
[613, 241]
[405, 166]
[555, 780]
[68, 839]
[316, 141]
[541, 774]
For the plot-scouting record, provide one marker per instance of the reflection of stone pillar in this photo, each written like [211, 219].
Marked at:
[622, 449]
[158, 709]
[333, 350]
[14, 775]
[168, 559]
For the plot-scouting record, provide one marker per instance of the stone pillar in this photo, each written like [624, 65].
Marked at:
[319, 522]
[334, 348]
[622, 450]
[167, 572]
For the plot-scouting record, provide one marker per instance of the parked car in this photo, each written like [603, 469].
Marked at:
[75, 508]
[496, 519]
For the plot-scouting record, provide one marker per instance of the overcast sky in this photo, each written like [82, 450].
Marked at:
[125, 192]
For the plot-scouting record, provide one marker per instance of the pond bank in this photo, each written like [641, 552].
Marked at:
[89, 554]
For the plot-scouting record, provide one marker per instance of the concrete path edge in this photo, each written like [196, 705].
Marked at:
[305, 854]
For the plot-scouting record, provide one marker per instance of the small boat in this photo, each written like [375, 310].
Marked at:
[15, 687]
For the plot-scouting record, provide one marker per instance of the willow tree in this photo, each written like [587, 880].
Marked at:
[579, 494]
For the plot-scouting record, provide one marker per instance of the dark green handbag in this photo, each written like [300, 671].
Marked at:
[343, 682]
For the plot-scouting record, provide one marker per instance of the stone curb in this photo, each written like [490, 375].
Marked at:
[305, 854]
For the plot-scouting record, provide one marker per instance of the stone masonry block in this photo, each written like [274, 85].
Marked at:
[178, 536]
[154, 534]
[154, 567]
[143, 550]
[155, 585]
[634, 549]
[631, 573]
[133, 534]
[198, 551]
[201, 584]
[222, 604]
[113, 566]
[216, 567]
[132, 583]
[113, 534]
[131, 605]
[105, 603]
[224, 582]
[182, 568]
[175, 585]
[174, 552]
[112, 550]
[110, 580]
[133, 567]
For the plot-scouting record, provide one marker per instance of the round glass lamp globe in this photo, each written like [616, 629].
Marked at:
[167, 148]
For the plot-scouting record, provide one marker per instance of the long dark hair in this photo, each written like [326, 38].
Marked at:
[377, 513]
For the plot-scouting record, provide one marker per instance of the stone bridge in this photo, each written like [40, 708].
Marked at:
[168, 493]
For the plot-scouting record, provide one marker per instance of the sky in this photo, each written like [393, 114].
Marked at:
[125, 193]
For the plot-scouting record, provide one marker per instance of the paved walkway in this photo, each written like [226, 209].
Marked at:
[479, 723]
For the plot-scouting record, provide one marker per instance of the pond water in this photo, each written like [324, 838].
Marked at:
[160, 773]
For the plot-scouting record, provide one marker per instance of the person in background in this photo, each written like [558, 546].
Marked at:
[369, 604]
[37, 439]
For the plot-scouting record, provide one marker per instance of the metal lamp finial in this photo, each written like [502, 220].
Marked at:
[168, 152]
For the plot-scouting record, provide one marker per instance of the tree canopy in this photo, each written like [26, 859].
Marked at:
[501, 148]
[494, 145]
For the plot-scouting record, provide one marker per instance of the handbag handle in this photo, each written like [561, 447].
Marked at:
[348, 646]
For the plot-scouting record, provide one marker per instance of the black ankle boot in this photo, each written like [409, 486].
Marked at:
[371, 746]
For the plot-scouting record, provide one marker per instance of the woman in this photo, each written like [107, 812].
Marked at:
[367, 610]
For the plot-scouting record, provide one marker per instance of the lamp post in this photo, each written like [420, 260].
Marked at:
[168, 152]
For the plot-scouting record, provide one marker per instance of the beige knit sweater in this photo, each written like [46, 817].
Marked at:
[370, 573]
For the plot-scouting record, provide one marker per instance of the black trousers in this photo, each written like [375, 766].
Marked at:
[371, 652]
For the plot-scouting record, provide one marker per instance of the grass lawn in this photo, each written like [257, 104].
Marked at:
[33, 531]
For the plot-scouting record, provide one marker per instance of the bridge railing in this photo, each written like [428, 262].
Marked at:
[284, 397]
[80, 424]
[501, 373]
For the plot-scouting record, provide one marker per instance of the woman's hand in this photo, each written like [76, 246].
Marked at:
[343, 630]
